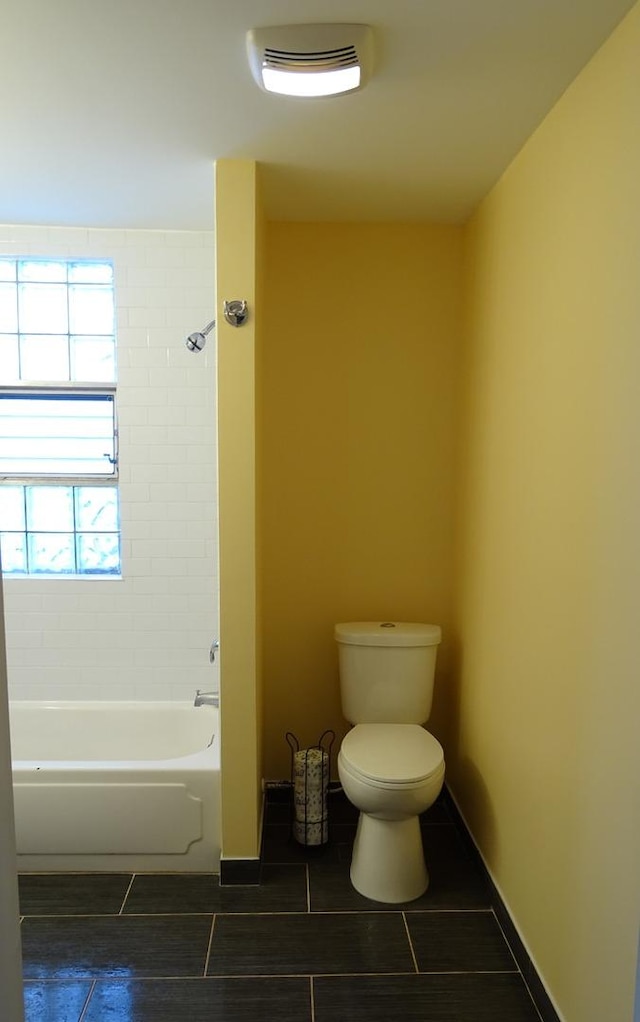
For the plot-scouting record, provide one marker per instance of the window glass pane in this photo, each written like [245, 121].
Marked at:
[96, 508]
[13, 553]
[43, 308]
[90, 309]
[43, 270]
[8, 309]
[7, 269]
[93, 358]
[98, 553]
[44, 357]
[90, 273]
[9, 361]
[57, 435]
[51, 553]
[12, 508]
[49, 546]
[49, 508]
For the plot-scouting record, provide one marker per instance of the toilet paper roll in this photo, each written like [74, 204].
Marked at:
[310, 787]
[311, 833]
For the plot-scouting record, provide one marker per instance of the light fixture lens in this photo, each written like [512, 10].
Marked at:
[306, 83]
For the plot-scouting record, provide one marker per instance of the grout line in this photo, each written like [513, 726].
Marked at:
[269, 975]
[85, 1007]
[134, 915]
[126, 894]
[311, 999]
[276, 912]
[520, 972]
[446, 911]
[461, 972]
[56, 980]
[378, 911]
[89, 873]
[115, 873]
[308, 888]
[504, 937]
[342, 975]
[406, 926]
[314, 914]
[208, 954]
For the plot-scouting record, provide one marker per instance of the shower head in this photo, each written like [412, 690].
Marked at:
[197, 340]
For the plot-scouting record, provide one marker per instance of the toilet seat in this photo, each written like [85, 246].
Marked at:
[392, 756]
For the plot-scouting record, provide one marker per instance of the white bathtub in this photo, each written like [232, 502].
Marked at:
[116, 786]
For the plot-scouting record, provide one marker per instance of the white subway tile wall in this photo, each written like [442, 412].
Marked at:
[147, 635]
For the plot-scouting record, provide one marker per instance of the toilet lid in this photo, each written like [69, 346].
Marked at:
[393, 753]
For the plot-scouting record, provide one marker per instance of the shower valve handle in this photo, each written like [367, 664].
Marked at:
[215, 646]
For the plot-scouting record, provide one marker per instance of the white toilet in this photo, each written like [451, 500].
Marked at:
[390, 768]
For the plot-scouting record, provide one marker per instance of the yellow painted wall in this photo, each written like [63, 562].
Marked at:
[238, 229]
[543, 755]
[358, 392]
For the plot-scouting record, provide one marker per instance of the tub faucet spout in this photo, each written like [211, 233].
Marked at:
[206, 699]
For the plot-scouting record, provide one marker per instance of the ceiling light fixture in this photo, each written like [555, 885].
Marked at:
[311, 60]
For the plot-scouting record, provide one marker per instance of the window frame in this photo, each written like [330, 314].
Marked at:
[47, 388]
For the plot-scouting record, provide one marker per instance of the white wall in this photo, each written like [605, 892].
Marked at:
[146, 636]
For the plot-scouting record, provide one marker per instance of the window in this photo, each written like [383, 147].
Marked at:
[58, 431]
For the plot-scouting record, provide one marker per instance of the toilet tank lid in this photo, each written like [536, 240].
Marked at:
[387, 633]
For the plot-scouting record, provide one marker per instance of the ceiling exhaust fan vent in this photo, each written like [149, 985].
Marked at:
[320, 60]
[311, 60]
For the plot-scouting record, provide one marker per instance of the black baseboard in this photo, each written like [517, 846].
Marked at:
[536, 987]
[238, 872]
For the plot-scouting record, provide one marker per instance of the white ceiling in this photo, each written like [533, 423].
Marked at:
[112, 112]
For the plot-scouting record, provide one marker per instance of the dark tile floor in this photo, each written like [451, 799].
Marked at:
[301, 947]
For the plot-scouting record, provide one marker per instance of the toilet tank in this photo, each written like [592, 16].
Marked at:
[386, 671]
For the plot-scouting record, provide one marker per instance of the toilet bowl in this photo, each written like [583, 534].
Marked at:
[391, 773]
[390, 767]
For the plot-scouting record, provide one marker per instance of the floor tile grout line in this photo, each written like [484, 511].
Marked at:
[504, 937]
[56, 980]
[85, 1006]
[274, 912]
[469, 972]
[86, 873]
[311, 999]
[345, 912]
[208, 954]
[308, 879]
[284, 975]
[521, 973]
[413, 954]
[384, 912]
[142, 915]
[528, 989]
[343, 975]
[127, 892]
[91, 874]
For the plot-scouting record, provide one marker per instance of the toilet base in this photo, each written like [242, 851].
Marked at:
[388, 861]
